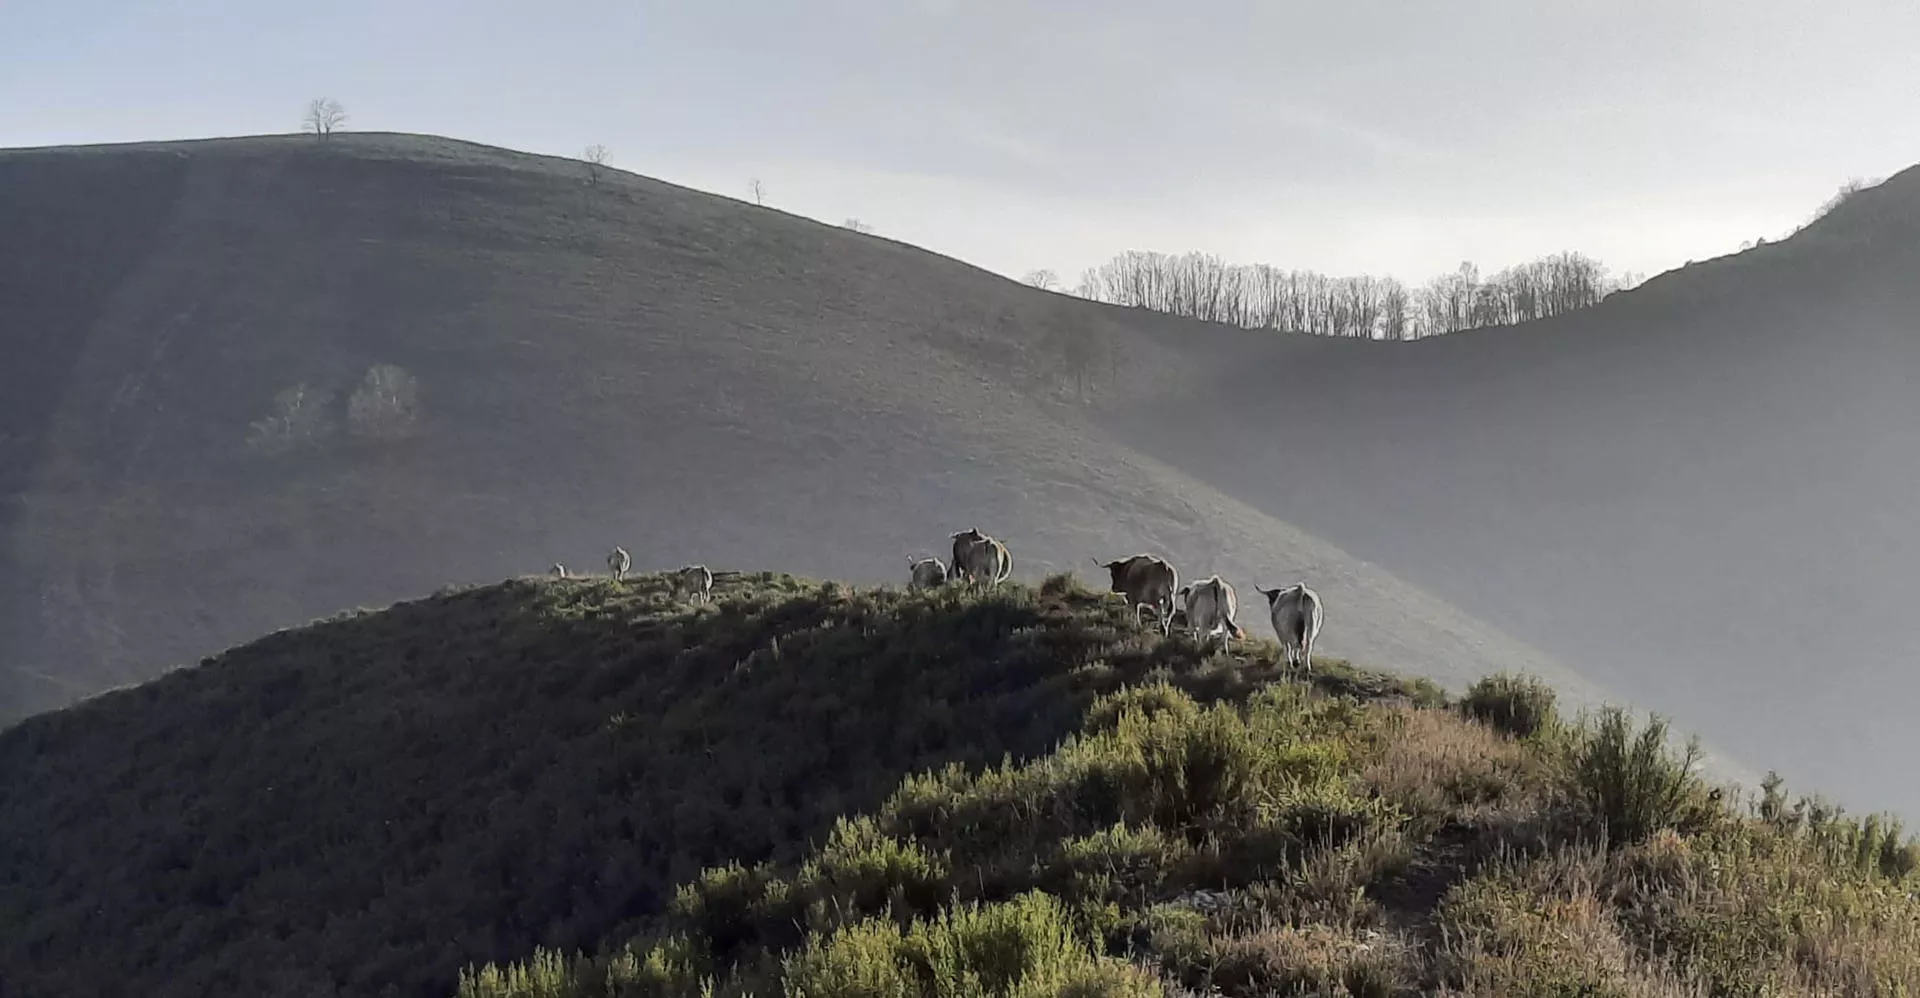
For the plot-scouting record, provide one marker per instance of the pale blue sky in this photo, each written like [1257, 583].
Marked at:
[1361, 136]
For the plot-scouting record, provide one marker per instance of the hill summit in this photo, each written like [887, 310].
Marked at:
[570, 787]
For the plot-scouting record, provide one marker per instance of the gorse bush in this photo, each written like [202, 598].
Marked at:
[1521, 706]
[1632, 784]
[1876, 843]
[1291, 841]
[1023, 948]
[1156, 794]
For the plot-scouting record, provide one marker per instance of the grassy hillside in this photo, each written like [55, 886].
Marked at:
[580, 787]
[187, 460]
[1700, 486]
[378, 799]
[1295, 842]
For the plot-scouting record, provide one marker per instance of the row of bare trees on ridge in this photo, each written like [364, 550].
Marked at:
[1260, 296]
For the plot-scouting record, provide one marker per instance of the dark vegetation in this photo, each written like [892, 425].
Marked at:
[548, 788]
[1293, 839]
[370, 802]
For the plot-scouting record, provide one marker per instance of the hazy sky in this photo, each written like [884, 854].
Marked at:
[1344, 137]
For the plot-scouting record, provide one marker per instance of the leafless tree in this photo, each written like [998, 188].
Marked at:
[759, 191]
[858, 226]
[324, 114]
[386, 405]
[596, 158]
[1202, 286]
[1044, 279]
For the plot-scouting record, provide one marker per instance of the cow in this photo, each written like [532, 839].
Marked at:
[1209, 605]
[1296, 615]
[925, 572]
[559, 571]
[979, 558]
[696, 581]
[1147, 580]
[618, 562]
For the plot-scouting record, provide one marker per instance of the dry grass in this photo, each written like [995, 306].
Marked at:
[1310, 959]
[1542, 926]
[1439, 765]
[1749, 907]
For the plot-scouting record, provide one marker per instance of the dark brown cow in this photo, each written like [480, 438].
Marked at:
[926, 572]
[1147, 580]
[980, 558]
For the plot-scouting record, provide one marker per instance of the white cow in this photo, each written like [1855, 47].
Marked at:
[1210, 605]
[1296, 615]
[618, 562]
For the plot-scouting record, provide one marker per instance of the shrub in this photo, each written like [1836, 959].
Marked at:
[1148, 698]
[1061, 584]
[1310, 959]
[1631, 784]
[1023, 948]
[676, 967]
[1121, 863]
[723, 906]
[547, 974]
[865, 872]
[1520, 706]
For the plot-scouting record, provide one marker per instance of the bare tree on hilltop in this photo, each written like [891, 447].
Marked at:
[596, 159]
[324, 114]
[1044, 279]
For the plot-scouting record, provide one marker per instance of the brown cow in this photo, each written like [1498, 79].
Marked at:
[1147, 580]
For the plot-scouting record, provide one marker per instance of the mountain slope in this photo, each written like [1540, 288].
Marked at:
[375, 801]
[1697, 493]
[579, 365]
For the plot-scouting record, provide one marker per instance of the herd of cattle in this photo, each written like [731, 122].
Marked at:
[1204, 608]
